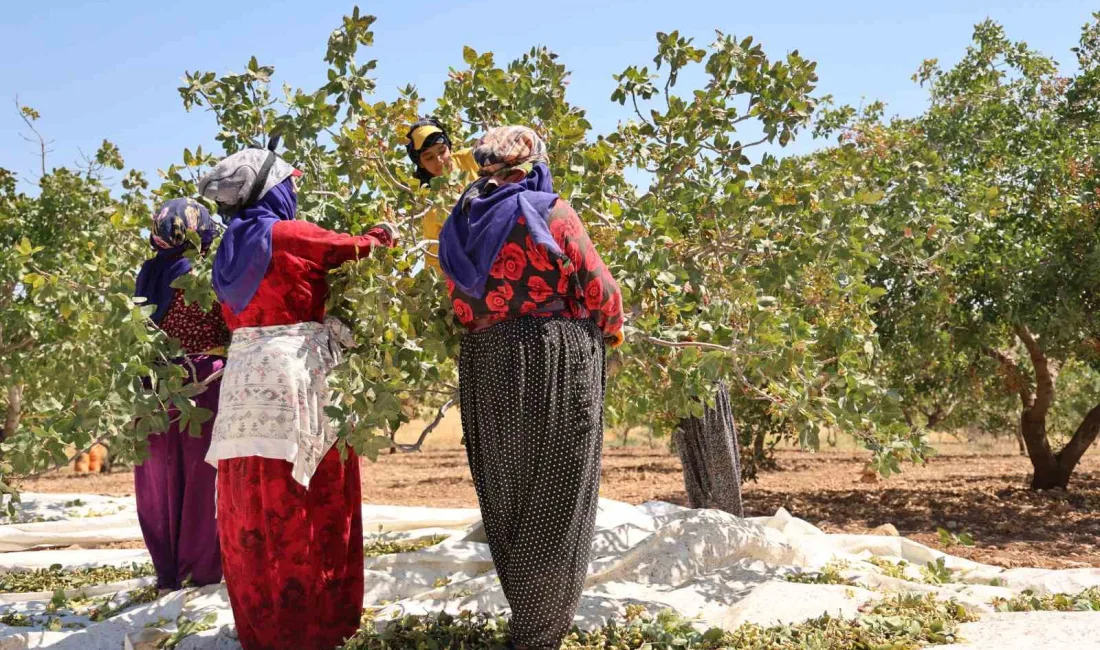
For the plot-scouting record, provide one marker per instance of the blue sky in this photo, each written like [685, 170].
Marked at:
[110, 69]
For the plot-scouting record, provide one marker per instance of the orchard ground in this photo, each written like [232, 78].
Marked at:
[977, 488]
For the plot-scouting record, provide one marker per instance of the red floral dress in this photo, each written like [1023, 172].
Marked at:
[197, 329]
[526, 278]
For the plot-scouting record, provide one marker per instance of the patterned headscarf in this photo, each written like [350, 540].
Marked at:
[500, 153]
[175, 219]
[232, 182]
[168, 237]
[255, 188]
[481, 221]
[508, 147]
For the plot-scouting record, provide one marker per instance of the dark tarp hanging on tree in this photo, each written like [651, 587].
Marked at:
[711, 457]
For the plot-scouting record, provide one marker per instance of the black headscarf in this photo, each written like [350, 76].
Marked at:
[430, 140]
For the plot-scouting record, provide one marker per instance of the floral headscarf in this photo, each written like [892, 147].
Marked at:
[501, 152]
[178, 217]
[168, 237]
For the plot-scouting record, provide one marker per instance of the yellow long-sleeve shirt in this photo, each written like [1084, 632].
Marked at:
[432, 223]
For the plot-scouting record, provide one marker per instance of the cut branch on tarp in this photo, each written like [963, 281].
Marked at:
[688, 344]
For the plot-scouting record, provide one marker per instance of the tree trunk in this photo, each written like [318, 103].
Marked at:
[759, 441]
[1051, 470]
[1033, 427]
[1020, 441]
[1033, 414]
[14, 411]
[933, 419]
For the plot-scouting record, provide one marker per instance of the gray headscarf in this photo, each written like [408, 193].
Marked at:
[231, 182]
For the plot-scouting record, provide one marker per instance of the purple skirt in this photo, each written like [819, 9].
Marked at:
[175, 495]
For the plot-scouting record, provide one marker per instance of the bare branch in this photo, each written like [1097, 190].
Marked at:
[384, 168]
[328, 193]
[423, 244]
[638, 111]
[417, 216]
[42, 143]
[687, 344]
[428, 429]
[606, 219]
[756, 142]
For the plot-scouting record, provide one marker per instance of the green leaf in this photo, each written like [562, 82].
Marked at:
[868, 197]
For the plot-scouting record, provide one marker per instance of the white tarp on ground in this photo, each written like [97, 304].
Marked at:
[57, 520]
[703, 563]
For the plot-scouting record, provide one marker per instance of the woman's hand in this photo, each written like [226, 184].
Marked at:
[390, 230]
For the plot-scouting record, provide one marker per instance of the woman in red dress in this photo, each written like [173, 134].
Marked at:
[289, 508]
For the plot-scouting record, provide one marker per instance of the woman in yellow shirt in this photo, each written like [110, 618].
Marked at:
[430, 150]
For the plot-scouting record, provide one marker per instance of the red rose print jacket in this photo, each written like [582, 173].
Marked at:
[525, 278]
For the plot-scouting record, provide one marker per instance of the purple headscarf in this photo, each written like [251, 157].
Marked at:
[474, 234]
[245, 250]
[484, 216]
[168, 237]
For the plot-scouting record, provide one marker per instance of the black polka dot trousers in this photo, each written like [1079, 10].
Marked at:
[531, 393]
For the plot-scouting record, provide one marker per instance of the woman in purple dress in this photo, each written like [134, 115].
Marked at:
[174, 485]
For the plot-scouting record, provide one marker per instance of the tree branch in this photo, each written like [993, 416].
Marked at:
[13, 411]
[687, 344]
[757, 142]
[606, 219]
[1015, 374]
[58, 465]
[411, 218]
[760, 394]
[428, 429]
[384, 168]
[42, 144]
[719, 247]
[1082, 439]
[15, 347]
[638, 111]
[1044, 392]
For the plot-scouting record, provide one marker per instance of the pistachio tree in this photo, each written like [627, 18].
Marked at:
[80, 362]
[1009, 300]
[736, 265]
